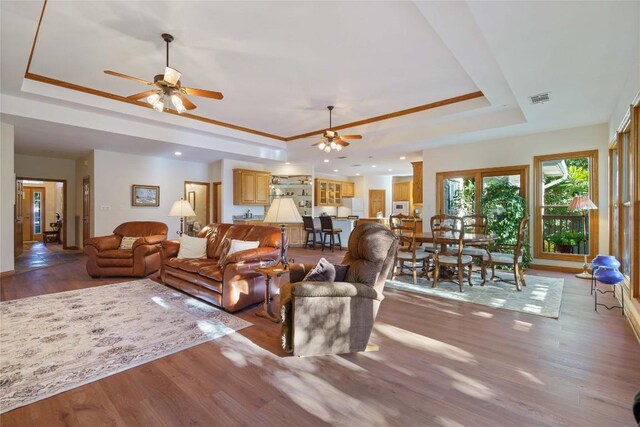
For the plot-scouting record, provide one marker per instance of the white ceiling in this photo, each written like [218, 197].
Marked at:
[280, 63]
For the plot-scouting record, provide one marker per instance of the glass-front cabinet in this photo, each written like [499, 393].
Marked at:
[297, 187]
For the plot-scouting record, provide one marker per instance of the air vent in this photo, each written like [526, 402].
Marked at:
[540, 98]
[342, 157]
[355, 166]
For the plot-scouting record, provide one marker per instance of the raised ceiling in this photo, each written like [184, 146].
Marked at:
[280, 63]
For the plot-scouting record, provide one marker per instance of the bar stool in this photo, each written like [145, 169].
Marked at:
[608, 276]
[311, 230]
[601, 260]
[326, 226]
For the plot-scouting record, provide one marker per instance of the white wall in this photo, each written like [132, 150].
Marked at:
[228, 208]
[115, 173]
[215, 171]
[374, 182]
[58, 169]
[8, 197]
[520, 151]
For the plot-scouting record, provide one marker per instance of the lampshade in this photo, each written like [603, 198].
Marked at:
[181, 208]
[282, 211]
[581, 203]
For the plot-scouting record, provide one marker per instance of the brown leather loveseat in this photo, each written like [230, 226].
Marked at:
[233, 286]
[107, 259]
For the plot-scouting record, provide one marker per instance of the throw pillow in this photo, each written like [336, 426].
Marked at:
[324, 271]
[230, 247]
[127, 242]
[192, 247]
[341, 272]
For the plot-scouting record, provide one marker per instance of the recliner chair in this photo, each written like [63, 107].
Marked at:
[106, 259]
[337, 317]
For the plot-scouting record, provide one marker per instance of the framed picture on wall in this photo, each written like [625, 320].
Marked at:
[191, 197]
[145, 195]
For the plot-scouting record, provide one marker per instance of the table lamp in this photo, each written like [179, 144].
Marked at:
[283, 210]
[583, 203]
[181, 208]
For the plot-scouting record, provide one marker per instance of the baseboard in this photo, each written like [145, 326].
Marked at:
[558, 268]
[7, 273]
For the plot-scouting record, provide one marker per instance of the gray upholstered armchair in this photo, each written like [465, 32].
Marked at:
[337, 317]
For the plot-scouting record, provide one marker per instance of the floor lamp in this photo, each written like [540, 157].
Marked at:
[181, 208]
[283, 211]
[583, 203]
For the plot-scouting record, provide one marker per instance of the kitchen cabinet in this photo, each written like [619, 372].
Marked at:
[417, 182]
[331, 193]
[402, 191]
[250, 187]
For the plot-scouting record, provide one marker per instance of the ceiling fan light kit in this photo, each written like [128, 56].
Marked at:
[168, 91]
[331, 140]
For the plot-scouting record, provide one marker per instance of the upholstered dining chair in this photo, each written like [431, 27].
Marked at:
[337, 317]
[477, 224]
[441, 222]
[511, 255]
[408, 254]
[448, 246]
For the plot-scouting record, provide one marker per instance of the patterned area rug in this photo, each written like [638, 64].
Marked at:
[542, 296]
[54, 343]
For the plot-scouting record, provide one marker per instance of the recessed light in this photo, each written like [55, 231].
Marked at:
[358, 173]
[373, 166]
[335, 170]
[403, 158]
[178, 153]
[389, 170]
[287, 163]
[326, 160]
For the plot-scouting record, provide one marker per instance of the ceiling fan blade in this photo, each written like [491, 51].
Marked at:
[187, 104]
[171, 75]
[351, 136]
[124, 76]
[202, 92]
[142, 95]
[341, 142]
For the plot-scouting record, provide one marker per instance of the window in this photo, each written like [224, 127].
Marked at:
[458, 193]
[561, 233]
[37, 220]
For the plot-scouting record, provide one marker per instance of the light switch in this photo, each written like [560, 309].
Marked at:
[105, 207]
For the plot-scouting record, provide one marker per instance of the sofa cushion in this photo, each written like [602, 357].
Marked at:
[214, 272]
[116, 253]
[323, 271]
[192, 247]
[191, 265]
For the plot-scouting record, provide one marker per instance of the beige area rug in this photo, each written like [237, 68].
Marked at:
[542, 296]
[54, 343]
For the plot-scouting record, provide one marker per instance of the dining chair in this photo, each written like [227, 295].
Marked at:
[448, 244]
[311, 230]
[328, 231]
[477, 224]
[498, 255]
[407, 254]
[441, 222]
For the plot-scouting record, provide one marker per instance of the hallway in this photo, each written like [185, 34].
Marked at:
[36, 255]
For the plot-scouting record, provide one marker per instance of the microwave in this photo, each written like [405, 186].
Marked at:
[400, 208]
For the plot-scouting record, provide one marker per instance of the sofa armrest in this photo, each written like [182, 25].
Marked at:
[244, 267]
[144, 250]
[254, 255]
[149, 240]
[104, 243]
[169, 249]
[333, 289]
[298, 271]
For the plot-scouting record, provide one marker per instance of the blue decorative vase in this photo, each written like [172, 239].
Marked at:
[608, 275]
[605, 261]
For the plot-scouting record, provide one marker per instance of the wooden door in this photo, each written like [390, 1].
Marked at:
[33, 209]
[18, 219]
[217, 203]
[417, 182]
[262, 189]
[86, 209]
[377, 202]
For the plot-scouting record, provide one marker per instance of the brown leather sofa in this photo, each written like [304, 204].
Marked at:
[106, 259]
[234, 286]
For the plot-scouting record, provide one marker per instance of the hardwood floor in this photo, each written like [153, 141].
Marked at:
[441, 362]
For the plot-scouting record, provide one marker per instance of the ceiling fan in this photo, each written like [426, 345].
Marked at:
[331, 140]
[167, 88]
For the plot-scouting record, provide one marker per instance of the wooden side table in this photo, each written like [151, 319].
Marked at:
[270, 273]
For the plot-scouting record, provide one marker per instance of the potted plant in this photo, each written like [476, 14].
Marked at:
[564, 241]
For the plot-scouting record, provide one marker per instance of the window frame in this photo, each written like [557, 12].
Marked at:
[478, 175]
[538, 229]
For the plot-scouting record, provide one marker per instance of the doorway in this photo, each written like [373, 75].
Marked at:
[86, 209]
[33, 212]
[198, 196]
[377, 202]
